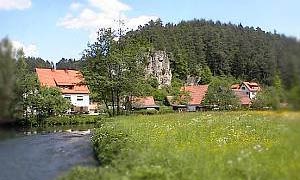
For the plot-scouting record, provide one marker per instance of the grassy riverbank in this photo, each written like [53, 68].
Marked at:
[210, 145]
[63, 120]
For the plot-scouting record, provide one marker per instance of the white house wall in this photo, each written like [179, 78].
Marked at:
[245, 89]
[74, 99]
[252, 95]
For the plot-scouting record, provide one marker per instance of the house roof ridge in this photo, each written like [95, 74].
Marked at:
[56, 78]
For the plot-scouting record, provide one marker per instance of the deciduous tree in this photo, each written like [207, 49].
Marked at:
[220, 94]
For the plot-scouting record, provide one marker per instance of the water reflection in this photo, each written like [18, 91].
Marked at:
[44, 153]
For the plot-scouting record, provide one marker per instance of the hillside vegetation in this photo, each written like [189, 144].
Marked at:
[211, 145]
[245, 53]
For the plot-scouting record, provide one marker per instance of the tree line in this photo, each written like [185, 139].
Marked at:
[200, 48]
[204, 49]
[245, 53]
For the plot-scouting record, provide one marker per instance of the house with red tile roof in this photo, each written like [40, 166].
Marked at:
[250, 88]
[197, 94]
[70, 84]
[144, 103]
[245, 100]
[246, 92]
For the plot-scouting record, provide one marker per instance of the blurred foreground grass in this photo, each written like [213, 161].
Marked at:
[210, 145]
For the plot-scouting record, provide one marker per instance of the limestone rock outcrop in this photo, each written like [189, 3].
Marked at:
[159, 67]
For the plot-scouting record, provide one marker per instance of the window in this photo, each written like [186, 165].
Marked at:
[68, 98]
[66, 87]
[79, 98]
[247, 93]
[243, 88]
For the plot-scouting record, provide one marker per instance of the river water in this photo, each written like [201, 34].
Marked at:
[43, 155]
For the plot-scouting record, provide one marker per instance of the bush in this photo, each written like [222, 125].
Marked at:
[165, 110]
[146, 111]
[220, 94]
[72, 120]
[294, 98]
[108, 144]
[268, 98]
[160, 94]
[162, 110]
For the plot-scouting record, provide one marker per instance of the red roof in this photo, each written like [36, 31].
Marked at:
[144, 102]
[67, 80]
[252, 86]
[197, 93]
[235, 86]
[244, 98]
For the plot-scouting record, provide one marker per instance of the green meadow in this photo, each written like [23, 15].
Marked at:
[207, 145]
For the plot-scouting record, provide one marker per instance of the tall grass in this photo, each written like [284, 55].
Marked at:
[211, 145]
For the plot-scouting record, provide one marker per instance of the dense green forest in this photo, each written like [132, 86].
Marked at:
[246, 53]
[69, 64]
[37, 62]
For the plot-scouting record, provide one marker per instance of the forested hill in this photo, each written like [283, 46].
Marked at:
[245, 53]
[37, 62]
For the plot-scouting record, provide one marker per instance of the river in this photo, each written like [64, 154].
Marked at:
[43, 155]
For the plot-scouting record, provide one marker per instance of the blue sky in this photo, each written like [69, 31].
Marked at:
[53, 29]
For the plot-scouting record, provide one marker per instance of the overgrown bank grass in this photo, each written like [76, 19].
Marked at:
[61, 121]
[72, 120]
[220, 145]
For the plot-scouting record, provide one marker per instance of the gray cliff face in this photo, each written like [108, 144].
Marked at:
[159, 67]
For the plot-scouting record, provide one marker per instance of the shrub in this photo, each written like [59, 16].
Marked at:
[268, 98]
[72, 120]
[294, 98]
[146, 111]
[108, 144]
[220, 94]
[160, 94]
[165, 110]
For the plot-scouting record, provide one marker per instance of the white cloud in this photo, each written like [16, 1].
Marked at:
[15, 4]
[29, 50]
[110, 6]
[75, 6]
[102, 14]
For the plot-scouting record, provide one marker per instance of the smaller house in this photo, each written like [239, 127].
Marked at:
[246, 92]
[249, 88]
[197, 94]
[245, 100]
[147, 103]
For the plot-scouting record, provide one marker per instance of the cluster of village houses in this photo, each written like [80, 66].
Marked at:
[69, 82]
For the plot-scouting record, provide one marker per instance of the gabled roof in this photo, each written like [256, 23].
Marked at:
[243, 97]
[235, 86]
[144, 102]
[252, 86]
[197, 93]
[69, 81]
